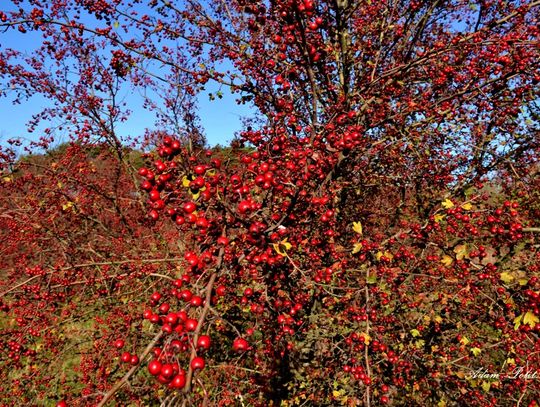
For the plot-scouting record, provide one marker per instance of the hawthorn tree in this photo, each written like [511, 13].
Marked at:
[368, 239]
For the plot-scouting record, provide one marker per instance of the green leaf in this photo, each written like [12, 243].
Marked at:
[372, 279]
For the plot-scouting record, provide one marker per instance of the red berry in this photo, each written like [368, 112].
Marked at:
[189, 207]
[240, 345]
[154, 367]
[191, 324]
[167, 370]
[197, 363]
[126, 357]
[203, 342]
[178, 381]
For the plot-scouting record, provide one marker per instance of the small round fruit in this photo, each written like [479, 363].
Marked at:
[61, 403]
[197, 363]
[178, 381]
[240, 345]
[154, 367]
[167, 370]
[191, 324]
[119, 344]
[126, 357]
[134, 361]
[204, 342]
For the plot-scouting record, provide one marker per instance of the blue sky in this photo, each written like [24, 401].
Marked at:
[220, 118]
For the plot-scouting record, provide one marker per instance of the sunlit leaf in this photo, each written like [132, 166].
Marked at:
[447, 204]
[356, 248]
[67, 205]
[415, 333]
[466, 206]
[476, 351]
[461, 251]
[372, 279]
[282, 247]
[447, 260]
[366, 338]
[185, 181]
[386, 254]
[357, 227]
[507, 277]
[530, 319]
[486, 386]
[439, 217]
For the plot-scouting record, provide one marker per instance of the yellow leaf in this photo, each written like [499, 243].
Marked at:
[357, 227]
[282, 247]
[7, 179]
[437, 318]
[486, 386]
[464, 340]
[66, 206]
[447, 204]
[447, 260]
[419, 343]
[530, 319]
[386, 254]
[356, 248]
[185, 181]
[511, 361]
[415, 333]
[59, 184]
[439, 217]
[337, 393]
[506, 277]
[441, 403]
[366, 338]
[461, 251]
[476, 351]
[466, 206]
[517, 322]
